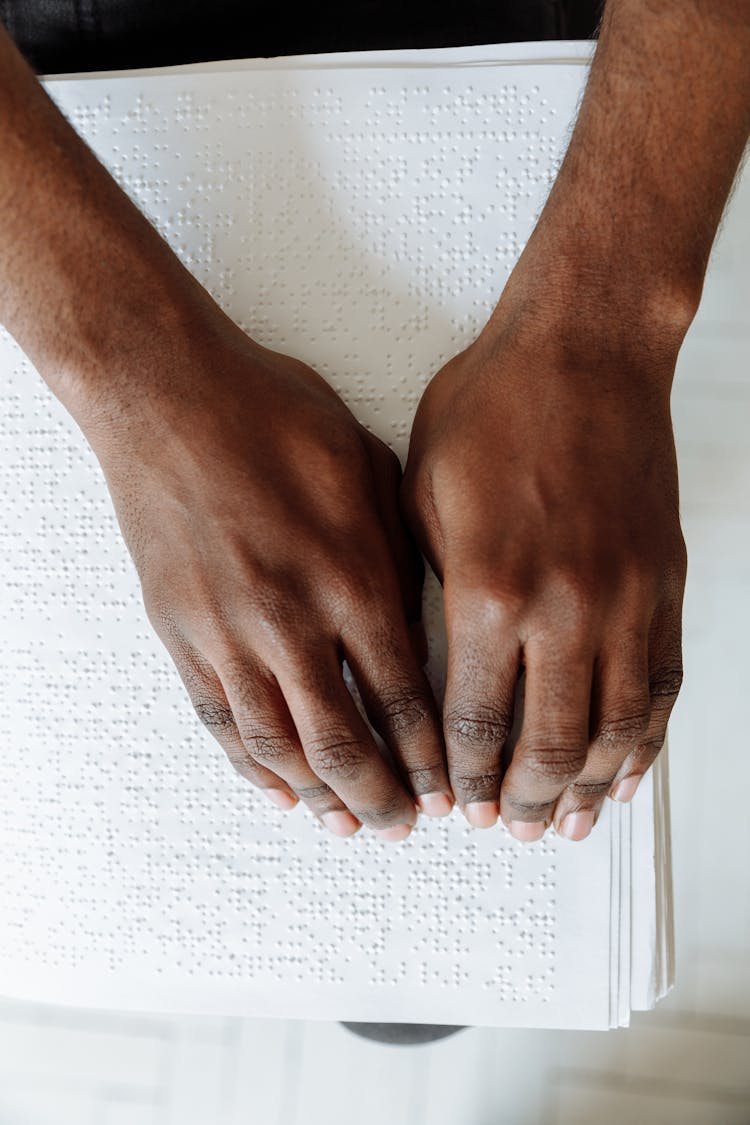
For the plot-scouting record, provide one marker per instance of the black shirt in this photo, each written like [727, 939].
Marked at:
[77, 35]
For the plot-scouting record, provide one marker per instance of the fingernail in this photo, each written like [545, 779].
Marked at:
[482, 814]
[577, 825]
[281, 798]
[435, 804]
[527, 831]
[625, 789]
[340, 822]
[394, 834]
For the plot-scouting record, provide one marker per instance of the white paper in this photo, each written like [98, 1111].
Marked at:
[364, 215]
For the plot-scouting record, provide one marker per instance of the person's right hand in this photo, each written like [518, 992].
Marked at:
[263, 521]
[262, 518]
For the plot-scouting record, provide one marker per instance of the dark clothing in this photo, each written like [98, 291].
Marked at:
[76, 35]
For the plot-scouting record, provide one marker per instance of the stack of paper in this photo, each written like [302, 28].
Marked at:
[362, 212]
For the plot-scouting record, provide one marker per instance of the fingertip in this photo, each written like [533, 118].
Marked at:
[527, 831]
[340, 822]
[482, 814]
[435, 804]
[394, 834]
[281, 798]
[577, 825]
[625, 789]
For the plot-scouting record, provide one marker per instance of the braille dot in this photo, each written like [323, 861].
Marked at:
[160, 847]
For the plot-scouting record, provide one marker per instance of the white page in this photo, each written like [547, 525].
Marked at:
[366, 221]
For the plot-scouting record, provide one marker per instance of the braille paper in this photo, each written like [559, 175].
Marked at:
[363, 212]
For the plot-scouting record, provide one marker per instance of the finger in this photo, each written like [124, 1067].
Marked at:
[339, 747]
[483, 666]
[212, 708]
[551, 750]
[665, 680]
[619, 717]
[269, 740]
[400, 705]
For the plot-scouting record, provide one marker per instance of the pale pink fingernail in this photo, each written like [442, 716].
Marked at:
[435, 804]
[527, 831]
[393, 835]
[482, 814]
[281, 798]
[340, 822]
[625, 789]
[577, 825]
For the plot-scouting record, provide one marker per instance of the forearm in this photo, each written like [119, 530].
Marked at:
[661, 131]
[85, 280]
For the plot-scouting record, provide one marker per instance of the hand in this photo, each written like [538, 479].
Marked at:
[262, 518]
[263, 521]
[541, 484]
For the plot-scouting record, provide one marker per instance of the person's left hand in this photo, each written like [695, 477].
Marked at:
[541, 484]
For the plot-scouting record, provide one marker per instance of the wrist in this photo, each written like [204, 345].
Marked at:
[572, 291]
[132, 345]
[622, 261]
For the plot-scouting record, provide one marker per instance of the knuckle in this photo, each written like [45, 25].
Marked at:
[615, 732]
[530, 810]
[480, 724]
[358, 595]
[476, 787]
[163, 619]
[647, 752]
[388, 810]
[242, 762]
[591, 790]
[329, 449]
[269, 628]
[666, 683]
[424, 776]
[499, 603]
[554, 762]
[247, 691]
[314, 793]
[675, 572]
[238, 679]
[574, 595]
[375, 600]
[337, 754]
[403, 709]
[215, 715]
[268, 747]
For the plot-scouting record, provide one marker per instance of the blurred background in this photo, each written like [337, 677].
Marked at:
[687, 1063]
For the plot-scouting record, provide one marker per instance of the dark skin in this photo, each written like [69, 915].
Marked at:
[541, 481]
[262, 517]
[542, 477]
[585, 598]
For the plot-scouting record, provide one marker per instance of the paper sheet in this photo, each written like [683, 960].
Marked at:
[362, 213]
